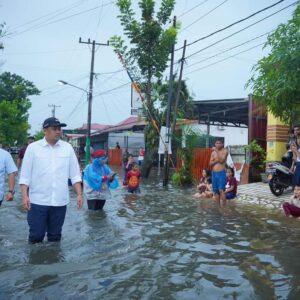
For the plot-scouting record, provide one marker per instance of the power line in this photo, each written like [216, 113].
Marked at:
[232, 24]
[110, 90]
[60, 89]
[61, 19]
[99, 19]
[229, 49]
[42, 52]
[203, 16]
[186, 12]
[112, 72]
[76, 106]
[228, 36]
[66, 8]
[219, 61]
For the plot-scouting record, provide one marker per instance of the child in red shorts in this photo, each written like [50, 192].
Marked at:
[292, 207]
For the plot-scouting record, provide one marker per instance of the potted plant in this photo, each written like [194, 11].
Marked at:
[257, 160]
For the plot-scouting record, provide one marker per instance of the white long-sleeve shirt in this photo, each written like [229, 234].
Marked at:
[46, 170]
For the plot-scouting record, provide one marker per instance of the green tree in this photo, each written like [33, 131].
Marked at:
[185, 109]
[39, 135]
[184, 175]
[12, 127]
[15, 103]
[276, 80]
[150, 40]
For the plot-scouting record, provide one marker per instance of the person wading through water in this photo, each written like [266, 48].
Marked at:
[217, 162]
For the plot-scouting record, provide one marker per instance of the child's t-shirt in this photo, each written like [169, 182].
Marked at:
[294, 201]
[133, 179]
[231, 182]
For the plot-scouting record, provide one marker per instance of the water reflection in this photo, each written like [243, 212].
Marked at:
[161, 244]
[45, 253]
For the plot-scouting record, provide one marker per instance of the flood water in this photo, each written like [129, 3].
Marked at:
[162, 244]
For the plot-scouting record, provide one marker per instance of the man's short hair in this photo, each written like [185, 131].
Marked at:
[31, 138]
[219, 140]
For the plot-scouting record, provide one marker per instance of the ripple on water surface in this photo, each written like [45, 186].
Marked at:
[162, 244]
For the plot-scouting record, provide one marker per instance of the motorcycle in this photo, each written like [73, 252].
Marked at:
[279, 174]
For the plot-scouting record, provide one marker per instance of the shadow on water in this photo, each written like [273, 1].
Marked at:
[161, 244]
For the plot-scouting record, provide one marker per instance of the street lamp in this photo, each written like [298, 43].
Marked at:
[88, 134]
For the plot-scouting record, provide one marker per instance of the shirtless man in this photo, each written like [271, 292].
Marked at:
[217, 161]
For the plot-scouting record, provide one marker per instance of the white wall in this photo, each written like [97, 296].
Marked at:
[232, 135]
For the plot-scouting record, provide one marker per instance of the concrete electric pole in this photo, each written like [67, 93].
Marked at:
[53, 109]
[90, 98]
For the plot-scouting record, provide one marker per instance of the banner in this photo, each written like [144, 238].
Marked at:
[136, 102]
[164, 140]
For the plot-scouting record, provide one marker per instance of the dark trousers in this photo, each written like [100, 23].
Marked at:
[134, 191]
[42, 219]
[95, 204]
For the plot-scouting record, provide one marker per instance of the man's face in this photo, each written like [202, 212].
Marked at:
[297, 131]
[219, 145]
[52, 134]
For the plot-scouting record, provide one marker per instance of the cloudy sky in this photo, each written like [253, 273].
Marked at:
[42, 46]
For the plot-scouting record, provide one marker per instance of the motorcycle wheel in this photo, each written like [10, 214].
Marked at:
[276, 188]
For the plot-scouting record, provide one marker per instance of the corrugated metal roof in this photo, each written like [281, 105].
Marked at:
[126, 124]
[95, 126]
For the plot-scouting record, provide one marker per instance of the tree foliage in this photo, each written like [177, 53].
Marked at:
[145, 54]
[185, 109]
[15, 103]
[184, 175]
[12, 127]
[39, 135]
[276, 80]
[149, 42]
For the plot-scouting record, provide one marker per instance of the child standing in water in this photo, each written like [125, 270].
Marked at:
[231, 184]
[127, 167]
[292, 206]
[133, 179]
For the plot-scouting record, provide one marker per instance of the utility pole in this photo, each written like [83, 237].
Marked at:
[53, 109]
[170, 95]
[178, 87]
[90, 98]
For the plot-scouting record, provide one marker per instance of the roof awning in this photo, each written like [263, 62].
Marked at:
[224, 112]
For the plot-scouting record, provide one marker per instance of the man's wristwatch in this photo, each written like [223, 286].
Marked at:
[12, 192]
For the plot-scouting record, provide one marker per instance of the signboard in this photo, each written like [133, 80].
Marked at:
[136, 102]
[164, 140]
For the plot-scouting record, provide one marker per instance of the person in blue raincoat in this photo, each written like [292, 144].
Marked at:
[98, 179]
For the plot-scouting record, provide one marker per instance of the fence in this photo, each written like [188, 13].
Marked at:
[201, 157]
[115, 157]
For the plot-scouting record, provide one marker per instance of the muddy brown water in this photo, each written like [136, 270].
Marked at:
[161, 244]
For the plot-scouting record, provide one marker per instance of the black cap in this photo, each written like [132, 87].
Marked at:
[52, 122]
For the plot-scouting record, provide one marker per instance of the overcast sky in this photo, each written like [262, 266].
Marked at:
[43, 47]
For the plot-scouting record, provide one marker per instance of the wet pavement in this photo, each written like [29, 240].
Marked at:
[259, 193]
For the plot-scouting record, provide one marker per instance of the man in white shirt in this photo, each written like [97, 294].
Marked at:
[46, 167]
[7, 166]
